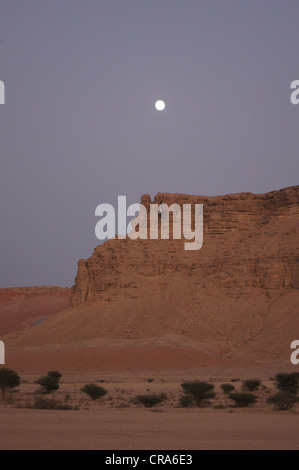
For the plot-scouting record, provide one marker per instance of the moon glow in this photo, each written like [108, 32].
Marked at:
[160, 105]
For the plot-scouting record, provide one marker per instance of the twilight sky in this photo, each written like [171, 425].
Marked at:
[79, 126]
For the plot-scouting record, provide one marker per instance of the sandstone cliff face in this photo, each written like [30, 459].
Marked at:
[235, 298]
[250, 245]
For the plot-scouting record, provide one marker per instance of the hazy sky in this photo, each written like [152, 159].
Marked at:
[79, 125]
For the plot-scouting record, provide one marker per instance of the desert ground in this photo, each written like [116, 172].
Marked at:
[118, 422]
[172, 429]
[127, 368]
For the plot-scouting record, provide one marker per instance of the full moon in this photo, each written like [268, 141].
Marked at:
[160, 105]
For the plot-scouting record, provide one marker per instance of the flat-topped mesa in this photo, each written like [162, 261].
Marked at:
[250, 242]
[238, 211]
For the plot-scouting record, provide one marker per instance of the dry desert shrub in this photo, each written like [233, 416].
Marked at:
[151, 400]
[50, 382]
[287, 382]
[243, 400]
[227, 388]
[251, 385]
[94, 391]
[42, 403]
[283, 401]
[199, 391]
[9, 379]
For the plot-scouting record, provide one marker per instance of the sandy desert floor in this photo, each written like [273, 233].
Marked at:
[127, 368]
[119, 429]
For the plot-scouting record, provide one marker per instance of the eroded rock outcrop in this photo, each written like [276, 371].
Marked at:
[250, 242]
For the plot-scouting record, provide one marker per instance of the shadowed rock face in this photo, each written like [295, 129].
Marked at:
[250, 246]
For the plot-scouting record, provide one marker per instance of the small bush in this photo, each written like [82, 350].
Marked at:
[150, 380]
[200, 391]
[48, 384]
[187, 401]
[283, 400]
[41, 403]
[54, 373]
[94, 391]
[243, 400]
[287, 382]
[227, 388]
[252, 385]
[150, 400]
[9, 379]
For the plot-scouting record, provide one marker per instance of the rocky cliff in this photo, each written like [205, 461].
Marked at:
[250, 244]
[235, 299]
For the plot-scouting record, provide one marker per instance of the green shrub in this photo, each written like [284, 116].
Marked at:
[243, 400]
[252, 385]
[55, 374]
[287, 382]
[94, 391]
[200, 391]
[9, 379]
[48, 384]
[227, 388]
[283, 400]
[150, 400]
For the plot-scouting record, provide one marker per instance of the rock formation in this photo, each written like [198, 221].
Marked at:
[250, 243]
[235, 299]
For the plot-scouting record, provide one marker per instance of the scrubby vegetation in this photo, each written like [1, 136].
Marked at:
[287, 382]
[9, 379]
[243, 400]
[187, 401]
[227, 388]
[94, 391]
[195, 393]
[42, 403]
[54, 373]
[151, 400]
[283, 400]
[251, 385]
[50, 382]
[200, 391]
